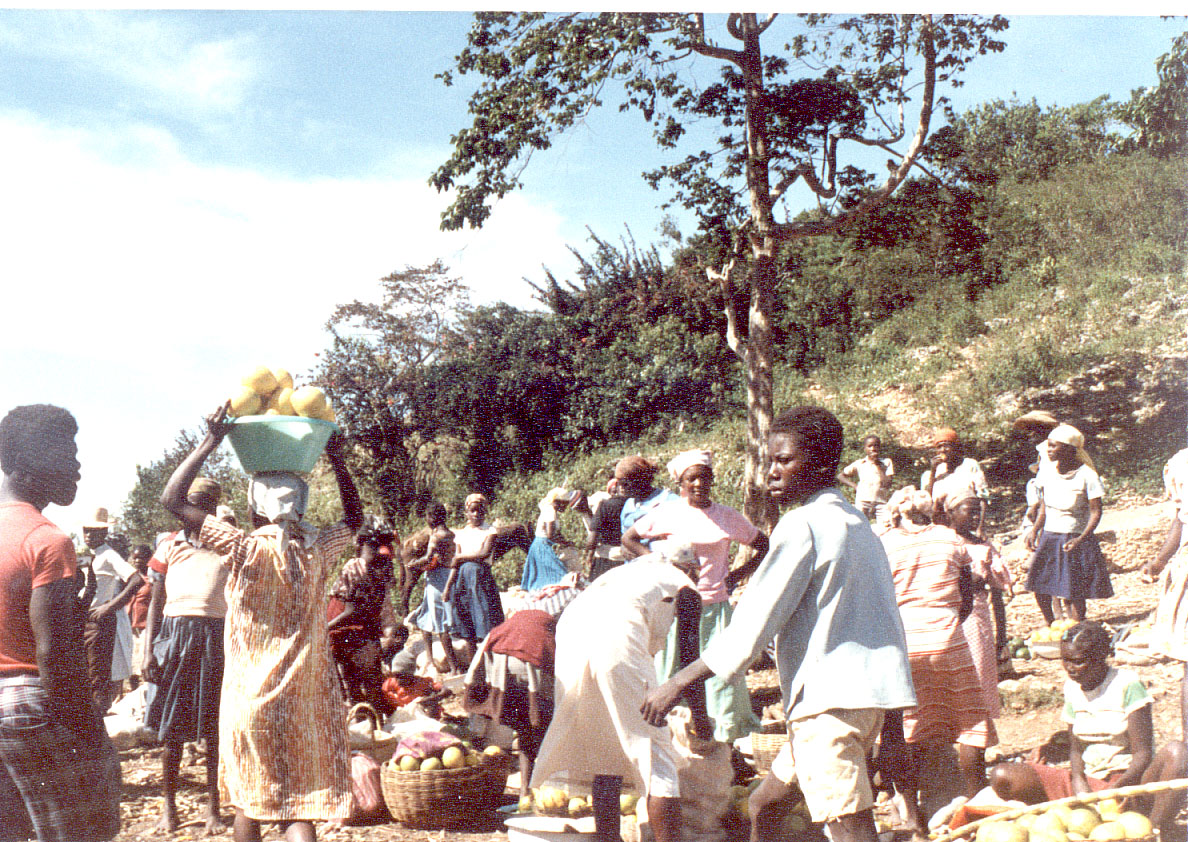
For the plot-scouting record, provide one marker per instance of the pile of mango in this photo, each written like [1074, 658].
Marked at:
[452, 757]
[1101, 822]
[268, 391]
[552, 801]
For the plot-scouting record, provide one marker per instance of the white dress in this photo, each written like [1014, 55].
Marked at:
[111, 572]
[1170, 634]
[606, 640]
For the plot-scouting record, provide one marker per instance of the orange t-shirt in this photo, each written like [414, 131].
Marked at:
[33, 553]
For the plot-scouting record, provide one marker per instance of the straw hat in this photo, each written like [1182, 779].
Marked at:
[1035, 418]
[100, 520]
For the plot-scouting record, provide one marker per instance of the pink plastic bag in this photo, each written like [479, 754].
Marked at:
[366, 788]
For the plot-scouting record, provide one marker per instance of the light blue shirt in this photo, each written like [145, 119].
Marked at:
[635, 509]
[824, 592]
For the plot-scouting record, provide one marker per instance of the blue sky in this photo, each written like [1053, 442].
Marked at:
[188, 194]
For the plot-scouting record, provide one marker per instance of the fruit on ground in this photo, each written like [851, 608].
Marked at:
[308, 401]
[473, 758]
[792, 825]
[453, 758]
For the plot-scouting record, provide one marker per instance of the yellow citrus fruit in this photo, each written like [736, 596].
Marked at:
[453, 758]
[261, 381]
[1136, 825]
[283, 379]
[408, 763]
[430, 764]
[309, 401]
[1107, 831]
[245, 402]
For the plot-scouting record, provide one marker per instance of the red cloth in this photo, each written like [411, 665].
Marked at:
[156, 563]
[138, 607]
[33, 553]
[529, 635]
[1057, 780]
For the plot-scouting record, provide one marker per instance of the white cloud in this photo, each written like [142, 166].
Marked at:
[159, 57]
[137, 294]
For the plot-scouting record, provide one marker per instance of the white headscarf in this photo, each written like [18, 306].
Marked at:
[684, 461]
[1070, 435]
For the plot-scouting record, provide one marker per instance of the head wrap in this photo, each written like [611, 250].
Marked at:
[552, 497]
[956, 498]
[1070, 435]
[635, 468]
[684, 461]
[944, 434]
[907, 501]
[476, 498]
[280, 498]
[1035, 418]
[205, 487]
[611, 485]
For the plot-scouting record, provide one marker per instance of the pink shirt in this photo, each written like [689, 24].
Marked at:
[709, 530]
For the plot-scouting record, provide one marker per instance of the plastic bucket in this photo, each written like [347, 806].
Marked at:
[279, 442]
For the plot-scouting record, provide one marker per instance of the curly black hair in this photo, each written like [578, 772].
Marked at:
[1090, 637]
[817, 432]
[28, 431]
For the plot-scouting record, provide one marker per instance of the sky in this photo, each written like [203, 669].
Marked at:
[188, 194]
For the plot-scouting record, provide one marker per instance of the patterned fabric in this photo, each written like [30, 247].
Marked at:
[66, 785]
[434, 614]
[195, 578]
[926, 564]
[283, 752]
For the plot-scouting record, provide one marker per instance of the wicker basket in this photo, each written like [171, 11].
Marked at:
[443, 798]
[765, 747]
[380, 745]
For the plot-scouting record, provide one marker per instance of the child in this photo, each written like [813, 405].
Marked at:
[1068, 562]
[1108, 711]
[434, 616]
[874, 474]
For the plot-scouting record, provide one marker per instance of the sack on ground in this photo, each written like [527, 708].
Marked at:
[704, 780]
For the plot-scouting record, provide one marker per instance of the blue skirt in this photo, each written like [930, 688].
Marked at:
[1080, 574]
[477, 608]
[434, 614]
[542, 567]
[185, 706]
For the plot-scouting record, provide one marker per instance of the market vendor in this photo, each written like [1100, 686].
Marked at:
[606, 640]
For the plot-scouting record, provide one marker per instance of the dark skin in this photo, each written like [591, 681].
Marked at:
[96, 538]
[1064, 459]
[1150, 572]
[364, 684]
[453, 660]
[171, 757]
[1089, 668]
[696, 485]
[53, 608]
[592, 543]
[174, 500]
[950, 454]
[796, 474]
[664, 813]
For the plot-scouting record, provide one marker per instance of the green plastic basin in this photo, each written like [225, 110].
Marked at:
[279, 442]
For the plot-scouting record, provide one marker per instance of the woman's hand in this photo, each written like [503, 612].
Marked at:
[217, 424]
[98, 612]
[659, 702]
[1029, 539]
[1073, 543]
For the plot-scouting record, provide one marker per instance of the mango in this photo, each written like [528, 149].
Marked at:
[308, 401]
[453, 758]
[284, 380]
[246, 402]
[261, 381]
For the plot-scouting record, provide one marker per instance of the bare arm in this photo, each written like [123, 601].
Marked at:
[152, 623]
[119, 600]
[173, 498]
[352, 507]
[1032, 536]
[59, 656]
[1094, 519]
[690, 681]
[1171, 543]
[1141, 734]
[759, 546]
[633, 544]
[483, 551]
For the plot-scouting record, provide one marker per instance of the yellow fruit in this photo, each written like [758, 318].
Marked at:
[1136, 824]
[309, 401]
[408, 763]
[793, 825]
[473, 758]
[453, 758]
[283, 379]
[281, 401]
[246, 402]
[431, 764]
[576, 806]
[1001, 832]
[494, 751]
[627, 803]
[1051, 826]
[1081, 821]
[1108, 807]
[525, 804]
[1107, 831]
[328, 414]
[261, 381]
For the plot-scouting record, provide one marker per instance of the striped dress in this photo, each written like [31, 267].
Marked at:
[979, 634]
[283, 752]
[926, 563]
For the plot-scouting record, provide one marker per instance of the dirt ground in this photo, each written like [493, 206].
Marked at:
[1031, 699]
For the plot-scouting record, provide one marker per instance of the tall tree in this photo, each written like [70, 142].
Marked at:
[834, 83]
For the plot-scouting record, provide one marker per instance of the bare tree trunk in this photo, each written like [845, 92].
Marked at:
[760, 390]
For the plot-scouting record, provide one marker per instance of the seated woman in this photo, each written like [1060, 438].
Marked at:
[1108, 711]
[355, 613]
[511, 681]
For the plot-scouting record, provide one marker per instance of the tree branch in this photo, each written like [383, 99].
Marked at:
[770, 20]
[723, 278]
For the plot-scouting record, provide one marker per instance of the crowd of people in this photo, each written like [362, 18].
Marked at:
[244, 638]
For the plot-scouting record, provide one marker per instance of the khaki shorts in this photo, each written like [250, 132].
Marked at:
[826, 756]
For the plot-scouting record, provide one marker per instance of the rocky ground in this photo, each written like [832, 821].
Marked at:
[1131, 533]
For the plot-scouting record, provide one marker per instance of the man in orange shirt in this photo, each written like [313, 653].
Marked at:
[59, 772]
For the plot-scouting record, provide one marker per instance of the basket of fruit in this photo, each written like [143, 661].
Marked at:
[1045, 642]
[437, 781]
[765, 747]
[277, 427]
[1096, 816]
